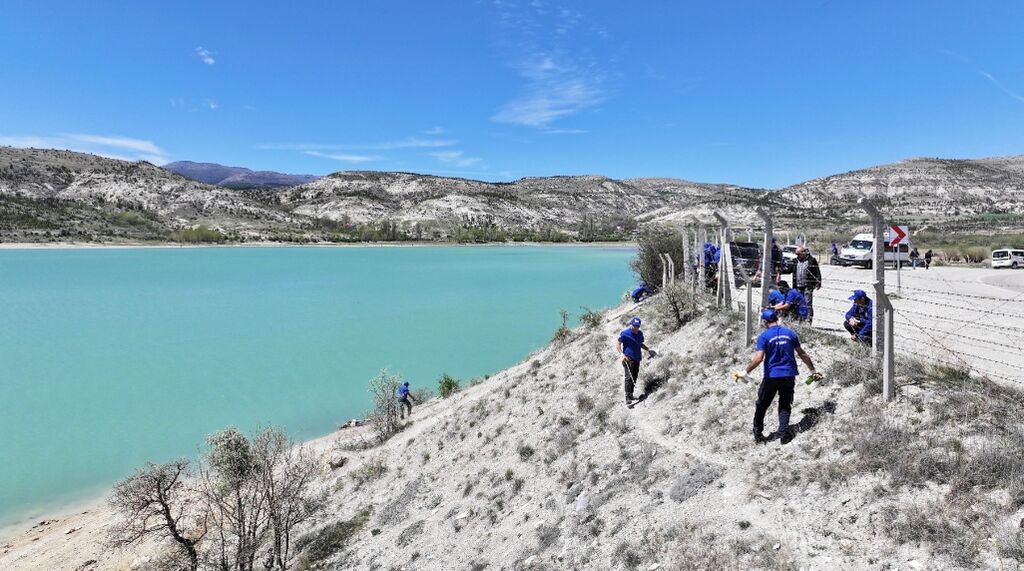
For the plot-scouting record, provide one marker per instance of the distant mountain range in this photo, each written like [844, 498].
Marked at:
[50, 195]
[236, 177]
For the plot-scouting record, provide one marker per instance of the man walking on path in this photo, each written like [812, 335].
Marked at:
[807, 278]
[631, 341]
[405, 400]
[858, 318]
[914, 256]
[928, 259]
[793, 304]
[777, 347]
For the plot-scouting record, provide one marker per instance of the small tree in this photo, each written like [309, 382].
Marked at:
[650, 245]
[383, 389]
[563, 332]
[155, 503]
[447, 386]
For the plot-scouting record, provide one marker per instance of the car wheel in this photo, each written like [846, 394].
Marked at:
[1014, 265]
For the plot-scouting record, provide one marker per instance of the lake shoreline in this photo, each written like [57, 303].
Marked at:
[174, 246]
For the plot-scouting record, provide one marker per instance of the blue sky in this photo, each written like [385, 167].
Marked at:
[750, 92]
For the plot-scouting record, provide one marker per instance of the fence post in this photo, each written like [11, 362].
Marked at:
[877, 226]
[766, 255]
[748, 328]
[687, 270]
[725, 276]
[888, 346]
[664, 270]
[671, 269]
[699, 276]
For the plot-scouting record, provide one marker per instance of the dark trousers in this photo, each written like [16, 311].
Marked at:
[403, 406]
[866, 338]
[632, 373]
[766, 394]
[809, 296]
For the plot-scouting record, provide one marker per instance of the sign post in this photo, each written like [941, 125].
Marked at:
[898, 236]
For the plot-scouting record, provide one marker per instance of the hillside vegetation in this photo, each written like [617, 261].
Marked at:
[63, 196]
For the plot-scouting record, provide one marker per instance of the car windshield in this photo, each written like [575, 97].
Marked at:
[1000, 255]
[789, 249]
[861, 244]
[1018, 252]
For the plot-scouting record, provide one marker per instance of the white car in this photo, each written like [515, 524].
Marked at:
[861, 252]
[1007, 258]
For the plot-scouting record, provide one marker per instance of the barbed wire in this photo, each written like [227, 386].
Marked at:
[955, 293]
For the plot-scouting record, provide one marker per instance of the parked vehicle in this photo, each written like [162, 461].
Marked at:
[1007, 258]
[746, 257]
[861, 252]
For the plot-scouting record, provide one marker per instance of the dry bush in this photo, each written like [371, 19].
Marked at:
[856, 367]
[939, 525]
[650, 245]
[591, 319]
[563, 333]
[678, 306]
[384, 415]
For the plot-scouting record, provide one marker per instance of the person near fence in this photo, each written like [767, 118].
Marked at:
[639, 293]
[914, 256]
[793, 305]
[777, 348]
[928, 259]
[775, 297]
[807, 278]
[405, 400]
[834, 254]
[858, 318]
[631, 341]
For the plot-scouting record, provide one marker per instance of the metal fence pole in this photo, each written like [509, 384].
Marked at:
[664, 270]
[725, 275]
[889, 344]
[687, 270]
[877, 324]
[766, 255]
[671, 269]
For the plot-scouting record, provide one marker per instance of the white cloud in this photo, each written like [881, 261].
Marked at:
[212, 105]
[560, 80]
[456, 158]
[344, 157]
[121, 148]
[205, 56]
[1000, 85]
[407, 143]
[435, 131]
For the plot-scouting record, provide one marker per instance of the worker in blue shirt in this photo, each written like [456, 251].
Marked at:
[794, 304]
[775, 297]
[777, 348]
[405, 399]
[639, 293]
[631, 341]
[858, 318]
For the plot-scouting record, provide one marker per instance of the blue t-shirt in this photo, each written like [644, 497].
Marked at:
[402, 391]
[631, 343]
[797, 303]
[863, 313]
[638, 292]
[779, 345]
[775, 297]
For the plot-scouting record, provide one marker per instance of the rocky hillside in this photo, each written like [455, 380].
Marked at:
[542, 466]
[969, 193]
[235, 177]
[48, 195]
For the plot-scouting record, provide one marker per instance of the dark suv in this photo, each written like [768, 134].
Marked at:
[746, 257]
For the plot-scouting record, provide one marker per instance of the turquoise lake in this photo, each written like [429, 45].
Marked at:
[110, 358]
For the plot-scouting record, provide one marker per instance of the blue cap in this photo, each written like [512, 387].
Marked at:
[769, 315]
[857, 294]
[635, 322]
[406, 383]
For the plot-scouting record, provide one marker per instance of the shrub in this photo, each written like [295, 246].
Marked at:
[525, 452]
[590, 318]
[370, 471]
[650, 245]
[563, 332]
[329, 540]
[384, 416]
[447, 386]
[678, 305]
[199, 234]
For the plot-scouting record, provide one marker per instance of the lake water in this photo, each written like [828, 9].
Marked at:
[113, 357]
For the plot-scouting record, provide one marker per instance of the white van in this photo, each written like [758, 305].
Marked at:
[1007, 258]
[861, 252]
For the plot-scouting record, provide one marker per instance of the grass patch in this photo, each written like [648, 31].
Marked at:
[318, 546]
